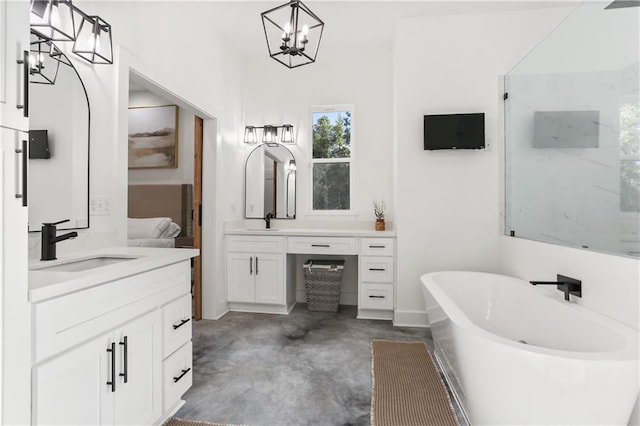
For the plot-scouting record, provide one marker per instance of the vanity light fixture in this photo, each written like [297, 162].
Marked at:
[293, 33]
[43, 69]
[55, 20]
[93, 41]
[57, 54]
[269, 134]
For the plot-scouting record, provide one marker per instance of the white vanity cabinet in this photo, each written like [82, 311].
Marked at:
[109, 353]
[109, 380]
[256, 274]
[376, 278]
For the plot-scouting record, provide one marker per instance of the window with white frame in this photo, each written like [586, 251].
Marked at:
[331, 159]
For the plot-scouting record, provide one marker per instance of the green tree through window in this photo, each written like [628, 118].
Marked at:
[331, 160]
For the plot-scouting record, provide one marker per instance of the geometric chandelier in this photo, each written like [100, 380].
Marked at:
[293, 33]
[60, 20]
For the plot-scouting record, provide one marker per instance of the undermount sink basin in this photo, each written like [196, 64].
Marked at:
[84, 264]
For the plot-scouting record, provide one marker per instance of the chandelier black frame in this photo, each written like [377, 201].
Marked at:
[289, 43]
[55, 20]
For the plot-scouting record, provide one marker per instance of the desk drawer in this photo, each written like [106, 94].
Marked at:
[176, 324]
[321, 245]
[376, 296]
[255, 244]
[376, 269]
[376, 247]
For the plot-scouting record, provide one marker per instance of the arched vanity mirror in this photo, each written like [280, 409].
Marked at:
[270, 183]
[58, 141]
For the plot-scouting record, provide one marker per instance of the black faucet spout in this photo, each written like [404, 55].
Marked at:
[569, 286]
[63, 237]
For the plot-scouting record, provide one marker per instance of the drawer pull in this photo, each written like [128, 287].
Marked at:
[377, 247]
[320, 245]
[377, 269]
[182, 374]
[183, 322]
[112, 383]
[376, 297]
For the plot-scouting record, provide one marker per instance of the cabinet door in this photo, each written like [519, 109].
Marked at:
[72, 389]
[138, 398]
[14, 40]
[269, 278]
[240, 273]
[14, 310]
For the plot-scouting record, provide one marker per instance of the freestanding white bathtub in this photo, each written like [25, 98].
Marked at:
[576, 367]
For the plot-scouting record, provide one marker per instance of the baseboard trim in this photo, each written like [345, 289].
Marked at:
[259, 308]
[410, 319]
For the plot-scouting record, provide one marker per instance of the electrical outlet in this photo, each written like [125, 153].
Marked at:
[100, 206]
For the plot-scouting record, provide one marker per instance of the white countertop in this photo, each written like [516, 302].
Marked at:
[291, 232]
[46, 284]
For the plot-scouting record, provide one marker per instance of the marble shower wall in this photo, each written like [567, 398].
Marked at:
[579, 78]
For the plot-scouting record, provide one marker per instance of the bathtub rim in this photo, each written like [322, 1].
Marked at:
[629, 351]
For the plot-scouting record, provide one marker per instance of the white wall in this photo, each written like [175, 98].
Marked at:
[447, 201]
[360, 76]
[184, 172]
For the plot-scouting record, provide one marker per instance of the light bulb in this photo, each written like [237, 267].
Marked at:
[305, 30]
[287, 28]
[32, 61]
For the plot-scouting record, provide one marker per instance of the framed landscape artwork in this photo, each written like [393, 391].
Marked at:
[153, 140]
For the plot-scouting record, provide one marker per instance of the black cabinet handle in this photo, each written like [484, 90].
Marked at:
[25, 83]
[183, 322]
[183, 372]
[376, 297]
[251, 265]
[125, 368]
[377, 246]
[320, 245]
[25, 159]
[112, 383]
[256, 265]
[377, 269]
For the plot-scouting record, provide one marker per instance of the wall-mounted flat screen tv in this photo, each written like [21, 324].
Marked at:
[566, 129]
[454, 131]
[39, 144]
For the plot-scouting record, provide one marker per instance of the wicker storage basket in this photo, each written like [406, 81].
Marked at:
[322, 280]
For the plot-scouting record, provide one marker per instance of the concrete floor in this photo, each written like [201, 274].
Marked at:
[305, 368]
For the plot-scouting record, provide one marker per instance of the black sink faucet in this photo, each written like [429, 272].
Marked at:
[268, 218]
[49, 239]
[568, 285]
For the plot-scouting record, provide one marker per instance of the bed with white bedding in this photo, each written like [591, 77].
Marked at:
[158, 214]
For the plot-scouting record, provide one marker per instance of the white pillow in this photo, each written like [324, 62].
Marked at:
[172, 231]
[152, 227]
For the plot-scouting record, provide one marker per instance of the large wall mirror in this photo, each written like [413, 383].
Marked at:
[58, 141]
[572, 123]
[270, 183]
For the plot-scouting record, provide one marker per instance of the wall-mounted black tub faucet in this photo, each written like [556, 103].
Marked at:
[568, 285]
[49, 239]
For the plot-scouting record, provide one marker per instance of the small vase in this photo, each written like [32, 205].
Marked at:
[379, 224]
